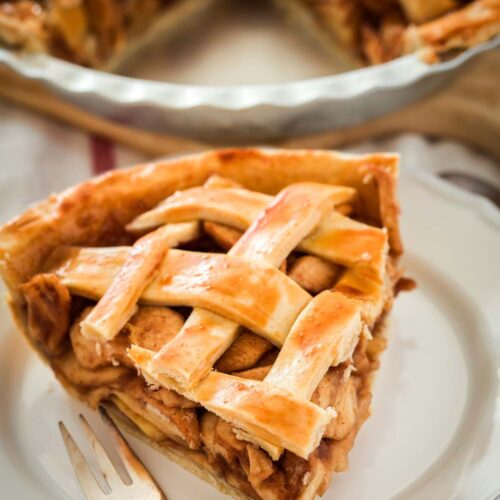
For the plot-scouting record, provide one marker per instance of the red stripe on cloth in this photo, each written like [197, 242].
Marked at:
[102, 154]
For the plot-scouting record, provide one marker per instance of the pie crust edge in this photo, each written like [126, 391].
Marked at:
[83, 212]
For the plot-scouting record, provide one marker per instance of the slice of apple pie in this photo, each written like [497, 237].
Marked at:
[228, 307]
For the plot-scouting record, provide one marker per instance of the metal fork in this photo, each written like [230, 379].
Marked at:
[141, 484]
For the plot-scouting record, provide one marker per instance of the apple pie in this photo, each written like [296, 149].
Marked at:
[228, 307]
[100, 33]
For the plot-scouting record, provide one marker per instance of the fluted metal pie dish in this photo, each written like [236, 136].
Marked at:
[243, 112]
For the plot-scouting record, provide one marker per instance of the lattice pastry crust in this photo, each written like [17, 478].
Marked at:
[341, 210]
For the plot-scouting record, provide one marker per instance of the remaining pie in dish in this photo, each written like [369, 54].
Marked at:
[100, 33]
[228, 307]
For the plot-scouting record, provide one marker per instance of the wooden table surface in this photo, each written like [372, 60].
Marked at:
[467, 110]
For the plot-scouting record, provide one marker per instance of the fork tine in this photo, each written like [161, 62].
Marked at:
[86, 478]
[134, 466]
[107, 468]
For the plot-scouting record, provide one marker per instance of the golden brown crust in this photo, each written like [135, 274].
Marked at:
[325, 333]
[103, 33]
[96, 211]
[475, 23]
[48, 304]
[331, 452]
[27, 241]
[23, 24]
[119, 301]
[96, 33]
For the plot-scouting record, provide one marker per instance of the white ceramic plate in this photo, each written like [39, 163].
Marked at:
[435, 429]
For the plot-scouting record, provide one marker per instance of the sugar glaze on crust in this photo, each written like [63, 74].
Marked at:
[232, 441]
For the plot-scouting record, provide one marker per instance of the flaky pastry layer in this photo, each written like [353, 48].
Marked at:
[96, 214]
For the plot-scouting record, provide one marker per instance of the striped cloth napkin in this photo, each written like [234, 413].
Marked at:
[39, 157]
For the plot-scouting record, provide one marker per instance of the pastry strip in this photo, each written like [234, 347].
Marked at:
[325, 333]
[234, 207]
[473, 24]
[119, 302]
[257, 296]
[359, 283]
[294, 213]
[337, 238]
[347, 242]
[273, 415]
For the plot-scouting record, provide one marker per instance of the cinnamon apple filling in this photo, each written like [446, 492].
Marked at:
[87, 32]
[99, 33]
[102, 373]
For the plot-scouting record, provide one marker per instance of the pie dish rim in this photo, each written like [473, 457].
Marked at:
[126, 92]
